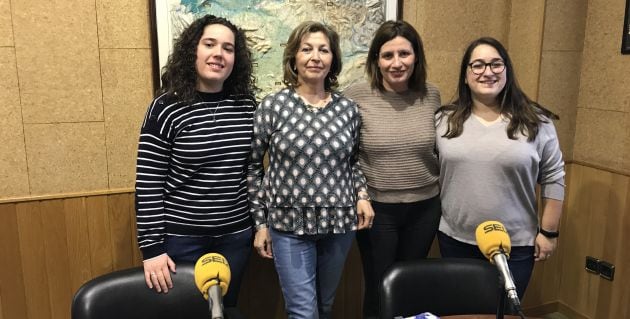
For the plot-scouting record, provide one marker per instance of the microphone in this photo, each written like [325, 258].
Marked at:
[494, 242]
[212, 277]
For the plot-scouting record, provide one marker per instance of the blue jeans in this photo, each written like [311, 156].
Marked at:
[521, 262]
[236, 248]
[309, 268]
[401, 231]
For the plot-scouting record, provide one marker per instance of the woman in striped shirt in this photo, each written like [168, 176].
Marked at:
[191, 189]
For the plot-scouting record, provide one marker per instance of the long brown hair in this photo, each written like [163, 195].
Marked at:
[524, 114]
[386, 32]
[180, 73]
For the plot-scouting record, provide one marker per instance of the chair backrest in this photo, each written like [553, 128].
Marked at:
[124, 294]
[448, 286]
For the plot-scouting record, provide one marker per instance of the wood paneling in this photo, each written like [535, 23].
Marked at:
[595, 222]
[80, 264]
[56, 252]
[12, 291]
[50, 247]
[33, 254]
[100, 238]
[53, 246]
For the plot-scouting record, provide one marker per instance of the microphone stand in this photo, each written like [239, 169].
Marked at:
[501, 302]
[215, 302]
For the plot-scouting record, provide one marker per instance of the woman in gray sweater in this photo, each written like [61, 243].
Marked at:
[495, 145]
[397, 154]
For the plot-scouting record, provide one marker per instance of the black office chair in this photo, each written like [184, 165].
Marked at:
[124, 294]
[448, 286]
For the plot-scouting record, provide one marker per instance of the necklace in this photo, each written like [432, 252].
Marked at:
[214, 119]
[318, 105]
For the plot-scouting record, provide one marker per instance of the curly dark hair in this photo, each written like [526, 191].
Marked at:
[179, 75]
[290, 77]
[525, 115]
[385, 33]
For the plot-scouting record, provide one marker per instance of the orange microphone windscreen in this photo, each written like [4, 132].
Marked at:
[492, 237]
[212, 269]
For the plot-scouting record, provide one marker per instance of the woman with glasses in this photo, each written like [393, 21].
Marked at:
[397, 154]
[495, 146]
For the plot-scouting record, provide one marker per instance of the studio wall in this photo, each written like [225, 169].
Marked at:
[76, 80]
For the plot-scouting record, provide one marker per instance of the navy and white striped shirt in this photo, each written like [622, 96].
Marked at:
[191, 169]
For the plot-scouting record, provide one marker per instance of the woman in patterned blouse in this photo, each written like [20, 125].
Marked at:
[312, 197]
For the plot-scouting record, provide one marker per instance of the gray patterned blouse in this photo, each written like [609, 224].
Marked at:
[313, 176]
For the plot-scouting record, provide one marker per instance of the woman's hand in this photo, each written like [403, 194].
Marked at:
[262, 243]
[544, 247]
[365, 214]
[157, 274]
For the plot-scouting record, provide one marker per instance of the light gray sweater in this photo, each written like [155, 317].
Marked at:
[484, 175]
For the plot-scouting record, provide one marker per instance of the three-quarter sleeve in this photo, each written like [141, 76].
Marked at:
[359, 180]
[255, 172]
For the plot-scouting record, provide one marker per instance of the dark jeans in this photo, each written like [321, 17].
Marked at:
[521, 262]
[236, 248]
[401, 231]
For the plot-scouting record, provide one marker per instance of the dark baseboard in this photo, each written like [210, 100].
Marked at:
[555, 306]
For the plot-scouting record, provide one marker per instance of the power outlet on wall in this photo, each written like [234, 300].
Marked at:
[599, 267]
[592, 264]
[606, 270]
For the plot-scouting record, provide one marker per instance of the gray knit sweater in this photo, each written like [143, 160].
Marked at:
[487, 176]
[397, 151]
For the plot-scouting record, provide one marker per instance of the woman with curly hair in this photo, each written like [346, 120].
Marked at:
[191, 189]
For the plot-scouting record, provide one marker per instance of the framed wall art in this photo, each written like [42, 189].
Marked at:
[267, 25]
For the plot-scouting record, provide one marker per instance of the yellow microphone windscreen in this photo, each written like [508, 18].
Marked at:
[212, 269]
[492, 237]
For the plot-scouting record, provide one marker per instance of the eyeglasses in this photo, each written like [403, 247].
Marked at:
[479, 67]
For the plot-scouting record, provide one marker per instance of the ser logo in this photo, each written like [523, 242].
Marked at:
[493, 227]
[214, 259]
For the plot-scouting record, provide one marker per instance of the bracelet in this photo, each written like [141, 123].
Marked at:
[364, 196]
[548, 234]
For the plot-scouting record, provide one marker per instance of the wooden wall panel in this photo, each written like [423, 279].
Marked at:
[595, 223]
[120, 226]
[32, 250]
[53, 246]
[100, 236]
[350, 291]
[79, 261]
[56, 251]
[12, 291]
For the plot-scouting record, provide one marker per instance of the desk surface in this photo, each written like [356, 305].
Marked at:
[481, 317]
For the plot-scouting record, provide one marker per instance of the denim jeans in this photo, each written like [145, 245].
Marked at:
[401, 231]
[309, 268]
[236, 248]
[521, 262]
